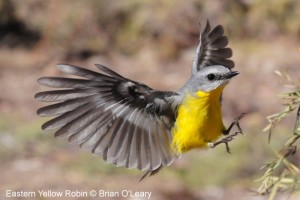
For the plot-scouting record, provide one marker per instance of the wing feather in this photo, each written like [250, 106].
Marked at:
[101, 144]
[215, 33]
[161, 148]
[111, 135]
[145, 157]
[132, 161]
[67, 117]
[111, 116]
[63, 95]
[93, 140]
[66, 106]
[218, 43]
[212, 49]
[58, 82]
[85, 73]
[153, 151]
[116, 145]
[219, 53]
[153, 144]
[84, 134]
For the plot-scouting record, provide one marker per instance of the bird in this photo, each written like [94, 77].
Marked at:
[128, 123]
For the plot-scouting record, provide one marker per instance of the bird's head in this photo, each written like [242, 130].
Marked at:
[210, 78]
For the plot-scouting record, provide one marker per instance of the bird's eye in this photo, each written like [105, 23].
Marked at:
[211, 77]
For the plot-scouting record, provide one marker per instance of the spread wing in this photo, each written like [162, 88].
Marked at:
[125, 122]
[212, 49]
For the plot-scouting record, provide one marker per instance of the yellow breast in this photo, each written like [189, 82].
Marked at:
[199, 121]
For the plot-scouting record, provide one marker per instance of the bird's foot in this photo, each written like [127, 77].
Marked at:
[229, 138]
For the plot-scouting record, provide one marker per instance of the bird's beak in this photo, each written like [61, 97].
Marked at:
[232, 74]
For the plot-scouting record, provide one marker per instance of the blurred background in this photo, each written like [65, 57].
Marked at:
[152, 42]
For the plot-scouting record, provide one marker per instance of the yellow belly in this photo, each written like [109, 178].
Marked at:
[199, 121]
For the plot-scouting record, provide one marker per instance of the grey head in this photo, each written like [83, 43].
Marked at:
[208, 79]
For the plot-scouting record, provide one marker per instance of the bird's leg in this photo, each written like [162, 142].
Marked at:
[235, 122]
[229, 138]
